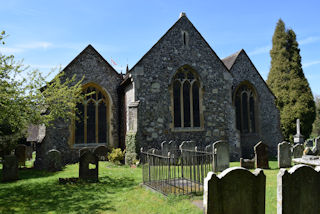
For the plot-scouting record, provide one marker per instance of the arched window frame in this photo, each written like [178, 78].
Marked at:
[89, 99]
[182, 79]
[248, 125]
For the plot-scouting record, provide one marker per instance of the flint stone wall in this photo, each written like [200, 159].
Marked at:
[90, 64]
[267, 115]
[152, 77]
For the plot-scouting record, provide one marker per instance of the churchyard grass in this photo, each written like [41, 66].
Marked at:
[118, 191]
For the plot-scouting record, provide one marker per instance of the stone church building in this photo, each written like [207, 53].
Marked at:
[179, 90]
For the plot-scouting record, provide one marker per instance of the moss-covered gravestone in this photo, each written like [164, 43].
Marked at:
[54, 160]
[10, 168]
[88, 167]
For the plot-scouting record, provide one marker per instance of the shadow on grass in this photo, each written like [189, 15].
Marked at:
[30, 173]
[39, 197]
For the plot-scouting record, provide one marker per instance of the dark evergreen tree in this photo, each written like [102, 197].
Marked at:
[287, 81]
[316, 123]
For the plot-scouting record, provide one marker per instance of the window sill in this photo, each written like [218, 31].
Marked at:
[189, 129]
[88, 145]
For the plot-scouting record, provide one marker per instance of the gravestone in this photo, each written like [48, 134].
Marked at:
[247, 163]
[54, 160]
[187, 149]
[221, 157]
[284, 155]
[83, 150]
[298, 138]
[21, 153]
[261, 155]
[235, 191]
[88, 167]
[298, 190]
[310, 160]
[208, 148]
[10, 168]
[164, 148]
[101, 152]
[297, 151]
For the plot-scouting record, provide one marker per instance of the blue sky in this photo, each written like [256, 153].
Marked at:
[49, 34]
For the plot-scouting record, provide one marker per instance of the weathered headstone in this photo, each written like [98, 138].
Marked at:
[29, 151]
[261, 155]
[21, 153]
[187, 149]
[101, 152]
[10, 168]
[298, 138]
[88, 167]
[297, 151]
[221, 157]
[298, 190]
[235, 190]
[247, 163]
[54, 160]
[83, 150]
[284, 155]
[164, 148]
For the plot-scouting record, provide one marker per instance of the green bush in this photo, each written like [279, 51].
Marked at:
[131, 147]
[116, 156]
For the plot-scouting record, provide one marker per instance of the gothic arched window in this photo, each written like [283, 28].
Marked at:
[186, 95]
[92, 123]
[245, 104]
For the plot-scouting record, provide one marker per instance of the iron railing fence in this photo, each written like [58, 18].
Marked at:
[178, 172]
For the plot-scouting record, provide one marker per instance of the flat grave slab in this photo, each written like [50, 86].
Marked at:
[310, 160]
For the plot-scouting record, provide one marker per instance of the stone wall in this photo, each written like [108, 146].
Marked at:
[90, 64]
[267, 117]
[153, 74]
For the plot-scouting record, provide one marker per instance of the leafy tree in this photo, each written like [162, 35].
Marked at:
[316, 123]
[287, 81]
[23, 103]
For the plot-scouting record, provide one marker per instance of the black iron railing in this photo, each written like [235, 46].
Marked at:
[178, 172]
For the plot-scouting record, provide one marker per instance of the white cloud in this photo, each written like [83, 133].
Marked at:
[261, 50]
[309, 40]
[308, 64]
[25, 47]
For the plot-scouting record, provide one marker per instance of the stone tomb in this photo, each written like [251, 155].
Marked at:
[261, 155]
[54, 160]
[284, 155]
[221, 157]
[310, 160]
[88, 167]
[247, 163]
[298, 190]
[297, 151]
[21, 153]
[235, 191]
[101, 152]
[10, 168]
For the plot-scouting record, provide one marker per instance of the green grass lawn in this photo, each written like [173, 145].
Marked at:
[117, 192]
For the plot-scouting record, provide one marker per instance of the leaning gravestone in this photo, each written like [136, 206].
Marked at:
[284, 155]
[247, 163]
[261, 155]
[221, 157]
[88, 167]
[10, 168]
[297, 151]
[235, 190]
[298, 190]
[21, 153]
[54, 162]
[101, 152]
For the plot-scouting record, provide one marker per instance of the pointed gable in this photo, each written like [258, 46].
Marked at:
[243, 69]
